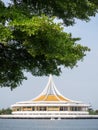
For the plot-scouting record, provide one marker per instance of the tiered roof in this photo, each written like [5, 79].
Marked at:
[50, 93]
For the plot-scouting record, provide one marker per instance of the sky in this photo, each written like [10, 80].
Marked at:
[79, 83]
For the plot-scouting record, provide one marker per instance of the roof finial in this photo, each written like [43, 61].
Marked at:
[51, 91]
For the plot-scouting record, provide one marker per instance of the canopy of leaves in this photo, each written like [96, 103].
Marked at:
[67, 10]
[31, 41]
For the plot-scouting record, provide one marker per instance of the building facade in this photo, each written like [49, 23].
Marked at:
[50, 104]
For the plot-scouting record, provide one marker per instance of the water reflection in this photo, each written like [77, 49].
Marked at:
[23, 124]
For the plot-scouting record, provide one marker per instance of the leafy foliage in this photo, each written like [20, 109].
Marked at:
[5, 111]
[93, 112]
[31, 41]
[63, 9]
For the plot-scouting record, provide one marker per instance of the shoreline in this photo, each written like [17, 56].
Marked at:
[49, 117]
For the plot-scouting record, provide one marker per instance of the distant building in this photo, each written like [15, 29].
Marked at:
[50, 103]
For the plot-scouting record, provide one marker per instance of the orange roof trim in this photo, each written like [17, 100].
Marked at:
[51, 98]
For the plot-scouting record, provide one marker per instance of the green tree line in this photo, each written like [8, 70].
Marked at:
[5, 111]
[93, 112]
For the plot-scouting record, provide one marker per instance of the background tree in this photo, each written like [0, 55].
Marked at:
[5, 111]
[31, 40]
[92, 111]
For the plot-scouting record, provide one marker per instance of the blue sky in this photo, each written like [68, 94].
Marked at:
[80, 83]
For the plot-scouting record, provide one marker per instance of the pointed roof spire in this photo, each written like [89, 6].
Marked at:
[50, 93]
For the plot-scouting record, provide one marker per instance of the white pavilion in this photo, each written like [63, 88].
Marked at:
[50, 104]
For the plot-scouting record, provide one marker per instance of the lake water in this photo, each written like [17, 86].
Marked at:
[67, 124]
